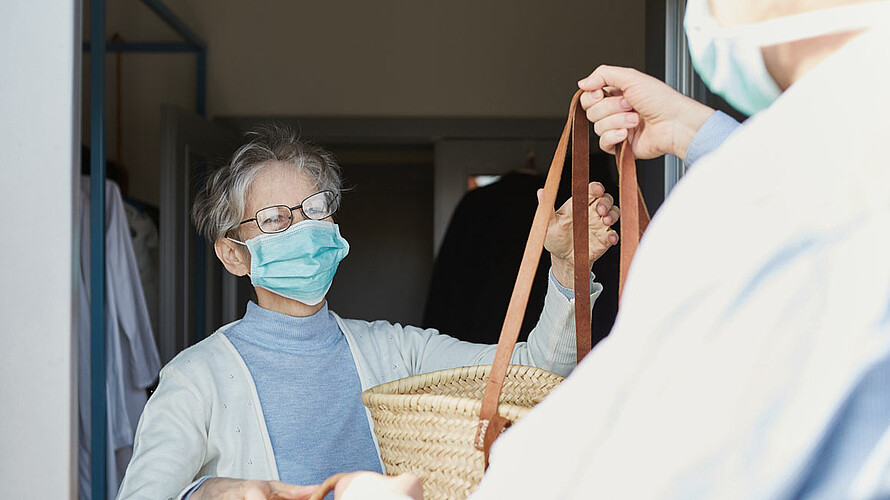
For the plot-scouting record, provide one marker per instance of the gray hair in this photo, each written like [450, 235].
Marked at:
[219, 205]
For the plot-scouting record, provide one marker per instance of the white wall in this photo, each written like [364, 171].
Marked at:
[39, 128]
[491, 58]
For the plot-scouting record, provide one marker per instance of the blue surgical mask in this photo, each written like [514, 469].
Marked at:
[298, 263]
[730, 60]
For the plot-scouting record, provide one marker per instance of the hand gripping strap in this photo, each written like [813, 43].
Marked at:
[490, 423]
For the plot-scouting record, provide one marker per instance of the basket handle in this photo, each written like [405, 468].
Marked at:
[490, 423]
[634, 216]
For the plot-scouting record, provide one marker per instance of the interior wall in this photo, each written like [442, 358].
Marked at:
[499, 58]
[38, 134]
[385, 216]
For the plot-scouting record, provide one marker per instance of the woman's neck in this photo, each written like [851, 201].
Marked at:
[277, 303]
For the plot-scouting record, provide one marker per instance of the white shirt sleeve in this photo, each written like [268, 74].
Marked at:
[170, 444]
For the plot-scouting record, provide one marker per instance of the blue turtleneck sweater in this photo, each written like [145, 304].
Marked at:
[309, 390]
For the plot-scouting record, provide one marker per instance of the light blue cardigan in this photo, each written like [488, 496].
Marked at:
[205, 418]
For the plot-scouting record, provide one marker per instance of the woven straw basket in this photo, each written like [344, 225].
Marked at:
[426, 424]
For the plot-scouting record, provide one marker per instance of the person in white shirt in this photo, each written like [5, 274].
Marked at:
[751, 355]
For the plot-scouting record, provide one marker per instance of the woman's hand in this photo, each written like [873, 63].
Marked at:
[655, 118]
[223, 488]
[371, 484]
[602, 213]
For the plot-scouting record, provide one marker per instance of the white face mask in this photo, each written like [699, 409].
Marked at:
[730, 62]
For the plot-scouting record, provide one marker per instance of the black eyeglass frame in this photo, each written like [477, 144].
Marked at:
[255, 218]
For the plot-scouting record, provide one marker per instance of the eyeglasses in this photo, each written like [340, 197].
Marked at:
[278, 218]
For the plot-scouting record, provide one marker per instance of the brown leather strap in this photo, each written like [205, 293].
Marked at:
[580, 231]
[634, 214]
[489, 430]
[490, 423]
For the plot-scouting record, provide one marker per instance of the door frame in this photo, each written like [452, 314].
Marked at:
[182, 306]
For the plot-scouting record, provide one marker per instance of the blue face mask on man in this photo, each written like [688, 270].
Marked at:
[298, 263]
[729, 59]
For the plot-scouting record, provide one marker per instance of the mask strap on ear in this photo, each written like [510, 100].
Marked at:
[233, 240]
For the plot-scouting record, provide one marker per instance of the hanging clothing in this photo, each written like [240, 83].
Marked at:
[146, 240]
[132, 359]
[476, 266]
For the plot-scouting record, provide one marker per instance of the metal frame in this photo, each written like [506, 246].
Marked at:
[193, 43]
[97, 48]
[98, 402]
[679, 74]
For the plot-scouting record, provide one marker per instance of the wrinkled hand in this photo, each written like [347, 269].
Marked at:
[655, 118]
[602, 213]
[404, 484]
[223, 488]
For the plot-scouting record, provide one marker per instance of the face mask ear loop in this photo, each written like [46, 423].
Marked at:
[233, 240]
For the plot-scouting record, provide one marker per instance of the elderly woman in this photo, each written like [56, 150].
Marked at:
[273, 400]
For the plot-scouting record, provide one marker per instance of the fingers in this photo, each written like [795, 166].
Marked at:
[607, 107]
[611, 117]
[603, 213]
[285, 491]
[612, 216]
[616, 122]
[594, 191]
[589, 99]
[605, 209]
[612, 138]
[614, 76]
[603, 205]
[376, 485]
[592, 97]
[408, 484]
[255, 491]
